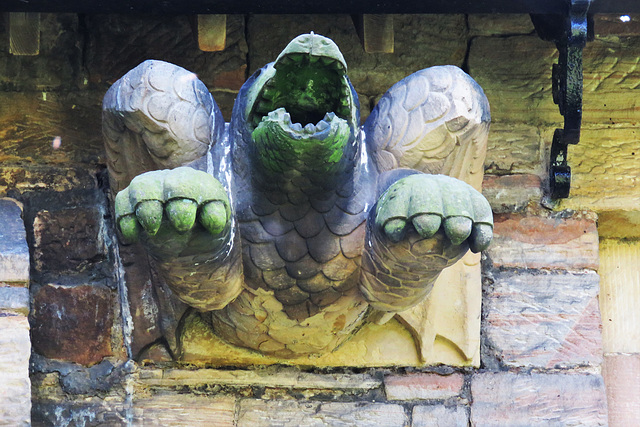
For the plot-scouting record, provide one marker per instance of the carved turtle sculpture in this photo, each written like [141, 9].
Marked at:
[291, 226]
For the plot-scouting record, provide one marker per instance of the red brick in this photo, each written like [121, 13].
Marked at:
[522, 241]
[423, 386]
[543, 320]
[622, 378]
[73, 323]
[507, 399]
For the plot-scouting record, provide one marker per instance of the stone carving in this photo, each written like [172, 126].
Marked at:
[290, 227]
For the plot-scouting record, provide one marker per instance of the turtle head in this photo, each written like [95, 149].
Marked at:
[302, 109]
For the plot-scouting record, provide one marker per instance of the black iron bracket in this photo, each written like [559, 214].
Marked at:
[570, 33]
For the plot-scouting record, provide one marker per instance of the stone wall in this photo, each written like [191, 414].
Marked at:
[541, 329]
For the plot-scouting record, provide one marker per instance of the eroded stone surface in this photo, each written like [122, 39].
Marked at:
[73, 323]
[621, 374]
[503, 398]
[15, 392]
[543, 320]
[14, 252]
[514, 148]
[423, 386]
[525, 241]
[306, 414]
[605, 166]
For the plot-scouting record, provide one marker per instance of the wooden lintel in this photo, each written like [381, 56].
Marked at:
[24, 33]
[212, 32]
[375, 32]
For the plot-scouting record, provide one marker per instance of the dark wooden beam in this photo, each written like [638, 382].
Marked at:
[194, 7]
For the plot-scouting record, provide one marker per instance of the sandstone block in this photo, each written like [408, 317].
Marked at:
[514, 148]
[440, 416]
[15, 392]
[619, 295]
[254, 413]
[73, 323]
[522, 241]
[14, 252]
[543, 319]
[504, 398]
[605, 166]
[511, 193]
[184, 410]
[423, 386]
[14, 300]
[515, 74]
[68, 239]
[497, 24]
[621, 374]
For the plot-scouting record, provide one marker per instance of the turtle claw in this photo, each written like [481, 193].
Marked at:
[432, 203]
[168, 202]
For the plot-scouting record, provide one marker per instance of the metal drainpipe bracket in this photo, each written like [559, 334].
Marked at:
[570, 33]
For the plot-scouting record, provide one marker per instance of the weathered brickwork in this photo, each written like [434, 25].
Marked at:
[541, 328]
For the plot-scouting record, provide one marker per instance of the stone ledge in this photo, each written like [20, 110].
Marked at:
[423, 386]
[543, 320]
[14, 252]
[282, 378]
[505, 398]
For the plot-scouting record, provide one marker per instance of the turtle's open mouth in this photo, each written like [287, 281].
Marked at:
[306, 82]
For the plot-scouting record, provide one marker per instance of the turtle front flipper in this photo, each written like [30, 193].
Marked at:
[434, 121]
[421, 225]
[157, 116]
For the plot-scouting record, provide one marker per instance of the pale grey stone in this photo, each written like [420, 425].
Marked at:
[543, 320]
[14, 252]
[255, 413]
[440, 416]
[510, 399]
[14, 299]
